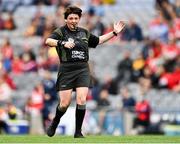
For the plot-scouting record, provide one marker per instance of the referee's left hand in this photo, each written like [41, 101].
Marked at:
[69, 44]
[118, 26]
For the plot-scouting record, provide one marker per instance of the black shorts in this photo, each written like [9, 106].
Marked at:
[73, 75]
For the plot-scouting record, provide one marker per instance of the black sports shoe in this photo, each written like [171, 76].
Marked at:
[78, 135]
[51, 130]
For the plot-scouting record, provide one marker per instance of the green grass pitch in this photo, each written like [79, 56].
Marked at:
[89, 139]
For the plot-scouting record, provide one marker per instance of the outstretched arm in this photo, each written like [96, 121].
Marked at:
[118, 27]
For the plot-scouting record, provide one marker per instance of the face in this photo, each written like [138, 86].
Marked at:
[72, 21]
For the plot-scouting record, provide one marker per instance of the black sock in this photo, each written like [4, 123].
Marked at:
[60, 111]
[80, 113]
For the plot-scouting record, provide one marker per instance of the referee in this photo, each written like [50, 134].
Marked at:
[72, 45]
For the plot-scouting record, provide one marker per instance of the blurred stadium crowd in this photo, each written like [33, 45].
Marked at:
[137, 71]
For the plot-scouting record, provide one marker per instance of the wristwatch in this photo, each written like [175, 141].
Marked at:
[63, 43]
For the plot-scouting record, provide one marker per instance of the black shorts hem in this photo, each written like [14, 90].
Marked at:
[81, 86]
[61, 89]
[68, 88]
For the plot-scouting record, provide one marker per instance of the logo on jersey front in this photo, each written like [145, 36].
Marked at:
[78, 54]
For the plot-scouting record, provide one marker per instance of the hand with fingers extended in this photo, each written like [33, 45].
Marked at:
[118, 26]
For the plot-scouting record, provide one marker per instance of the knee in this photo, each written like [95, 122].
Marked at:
[64, 104]
[81, 100]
